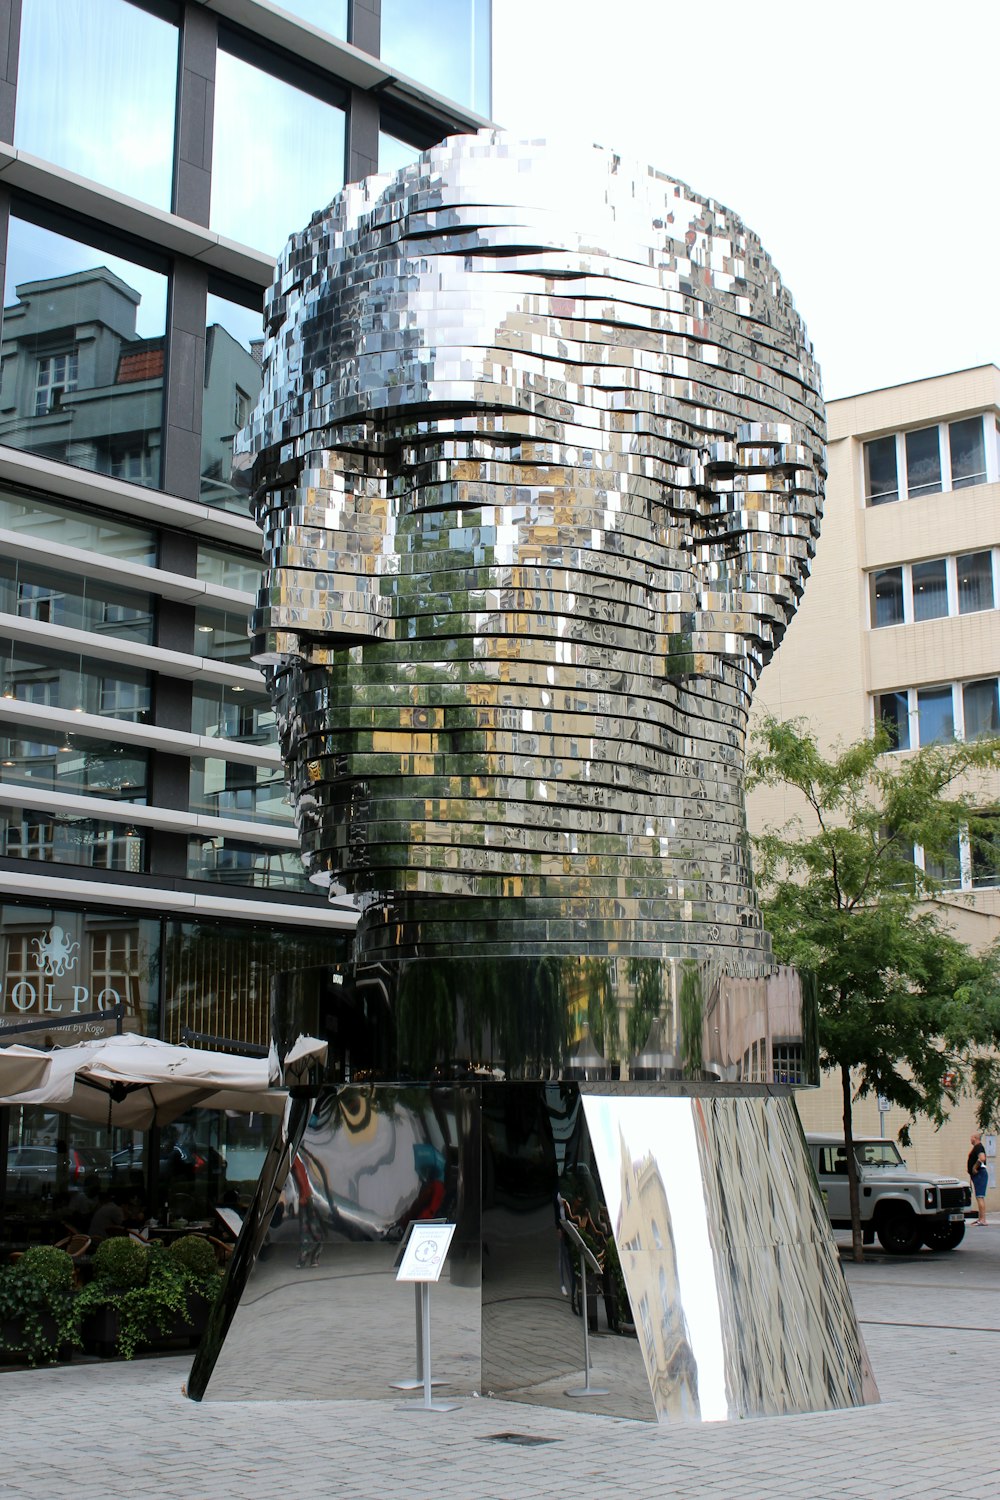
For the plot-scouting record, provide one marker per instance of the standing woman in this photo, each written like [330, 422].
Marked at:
[979, 1174]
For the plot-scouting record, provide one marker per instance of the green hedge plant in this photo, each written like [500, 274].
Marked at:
[38, 1313]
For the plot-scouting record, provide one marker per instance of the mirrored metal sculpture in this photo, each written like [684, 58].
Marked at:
[539, 465]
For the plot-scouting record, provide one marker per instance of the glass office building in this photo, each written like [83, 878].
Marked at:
[155, 156]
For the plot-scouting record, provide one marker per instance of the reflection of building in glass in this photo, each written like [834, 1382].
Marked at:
[80, 385]
[645, 1237]
[232, 385]
[78, 382]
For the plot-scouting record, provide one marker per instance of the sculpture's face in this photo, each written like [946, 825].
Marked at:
[540, 485]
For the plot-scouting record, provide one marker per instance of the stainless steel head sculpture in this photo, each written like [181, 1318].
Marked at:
[539, 466]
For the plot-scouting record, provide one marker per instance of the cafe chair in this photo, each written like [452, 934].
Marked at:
[74, 1244]
[223, 1251]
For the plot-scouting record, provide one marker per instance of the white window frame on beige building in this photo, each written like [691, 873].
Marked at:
[991, 457]
[951, 565]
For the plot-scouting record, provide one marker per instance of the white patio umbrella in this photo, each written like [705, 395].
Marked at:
[135, 1082]
[22, 1067]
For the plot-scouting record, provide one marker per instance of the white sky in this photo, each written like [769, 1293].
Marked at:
[856, 137]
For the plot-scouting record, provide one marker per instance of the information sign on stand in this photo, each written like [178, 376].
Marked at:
[421, 1261]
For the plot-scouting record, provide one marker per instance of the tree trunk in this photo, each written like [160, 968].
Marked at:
[857, 1243]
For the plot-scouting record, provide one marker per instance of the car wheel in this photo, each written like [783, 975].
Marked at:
[944, 1236]
[898, 1232]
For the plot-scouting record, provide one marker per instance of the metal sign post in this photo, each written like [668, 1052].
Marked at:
[415, 1382]
[587, 1258]
[422, 1260]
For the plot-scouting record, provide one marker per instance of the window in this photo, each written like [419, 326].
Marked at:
[887, 597]
[788, 1061]
[982, 719]
[394, 154]
[913, 592]
[96, 89]
[57, 376]
[927, 460]
[923, 462]
[892, 712]
[968, 455]
[221, 635]
[984, 851]
[975, 582]
[294, 138]
[231, 570]
[935, 716]
[944, 866]
[916, 717]
[880, 470]
[930, 589]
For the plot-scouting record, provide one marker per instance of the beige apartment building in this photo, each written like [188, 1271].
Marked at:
[900, 619]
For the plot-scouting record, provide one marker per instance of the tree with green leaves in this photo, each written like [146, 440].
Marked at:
[845, 900]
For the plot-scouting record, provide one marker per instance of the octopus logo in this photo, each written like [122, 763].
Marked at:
[56, 954]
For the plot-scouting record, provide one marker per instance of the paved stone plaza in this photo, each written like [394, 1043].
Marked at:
[932, 1323]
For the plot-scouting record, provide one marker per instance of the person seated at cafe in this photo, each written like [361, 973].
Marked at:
[135, 1210]
[108, 1217]
[83, 1200]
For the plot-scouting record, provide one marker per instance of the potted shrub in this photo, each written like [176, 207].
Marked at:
[38, 1317]
[195, 1258]
[143, 1295]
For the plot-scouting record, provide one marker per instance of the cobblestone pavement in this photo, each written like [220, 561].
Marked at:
[932, 1324]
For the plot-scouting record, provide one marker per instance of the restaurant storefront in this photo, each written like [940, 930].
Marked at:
[73, 974]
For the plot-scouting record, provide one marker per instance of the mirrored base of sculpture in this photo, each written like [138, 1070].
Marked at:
[718, 1292]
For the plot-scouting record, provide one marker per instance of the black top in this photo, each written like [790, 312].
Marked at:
[977, 1159]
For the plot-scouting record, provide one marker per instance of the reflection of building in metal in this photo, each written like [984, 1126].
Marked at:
[755, 1028]
[645, 1238]
[774, 1259]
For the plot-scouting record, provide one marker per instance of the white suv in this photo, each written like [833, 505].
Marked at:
[904, 1209]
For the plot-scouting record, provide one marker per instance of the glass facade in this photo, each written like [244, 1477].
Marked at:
[75, 683]
[123, 363]
[221, 635]
[88, 530]
[75, 601]
[231, 789]
[84, 351]
[278, 154]
[74, 763]
[230, 712]
[443, 43]
[64, 838]
[97, 84]
[328, 15]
